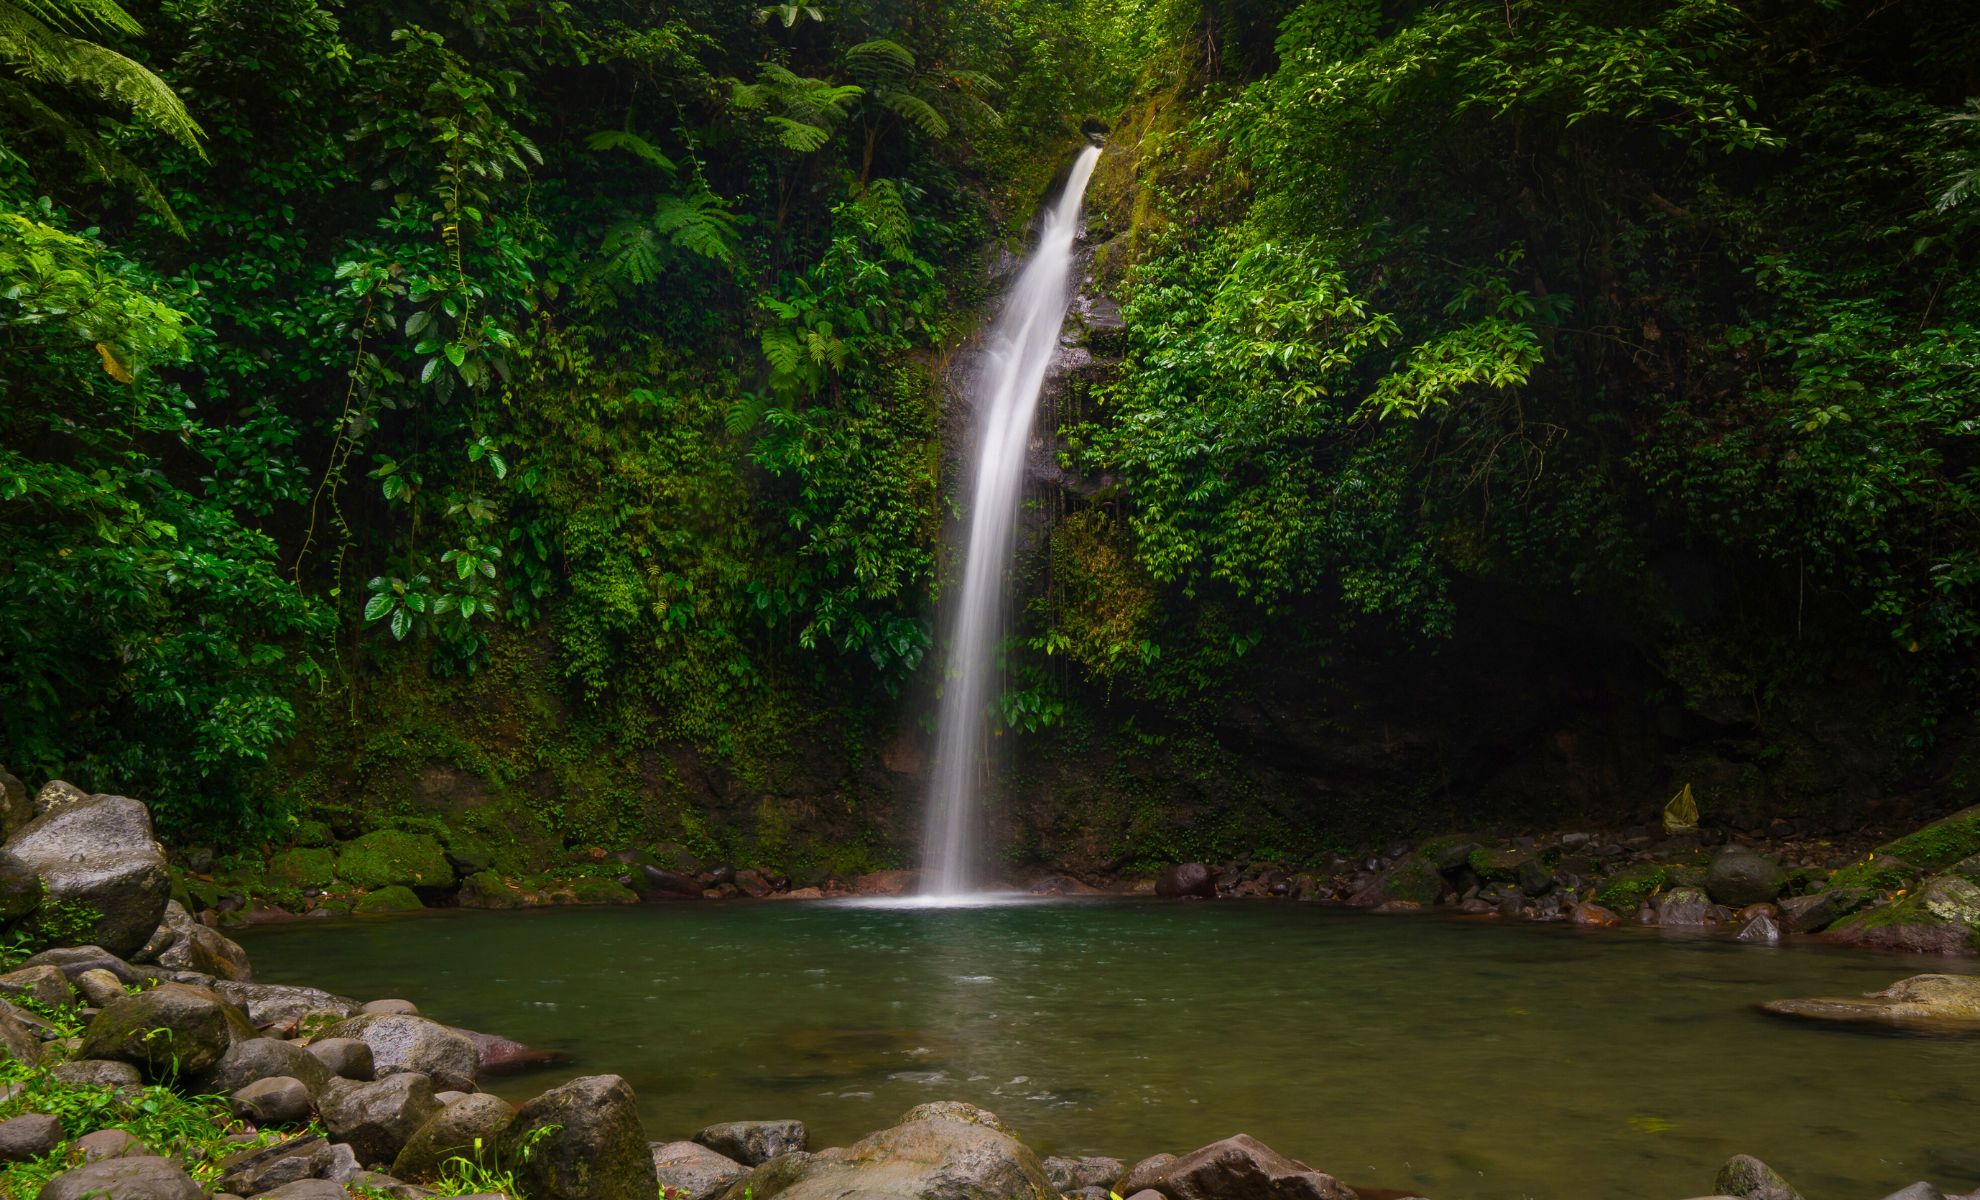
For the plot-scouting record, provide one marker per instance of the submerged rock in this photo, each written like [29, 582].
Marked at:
[98, 853]
[753, 1143]
[1944, 1003]
[1186, 880]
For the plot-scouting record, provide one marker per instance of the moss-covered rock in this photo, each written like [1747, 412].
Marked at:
[1940, 844]
[304, 867]
[313, 833]
[389, 900]
[395, 858]
[486, 889]
[602, 891]
[1626, 891]
[1941, 917]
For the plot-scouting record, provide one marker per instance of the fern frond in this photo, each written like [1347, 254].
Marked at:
[744, 414]
[884, 205]
[631, 254]
[82, 15]
[916, 111]
[44, 55]
[700, 224]
[631, 143]
[784, 352]
[799, 136]
[882, 55]
[79, 141]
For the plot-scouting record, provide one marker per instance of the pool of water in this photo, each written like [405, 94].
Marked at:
[1468, 1060]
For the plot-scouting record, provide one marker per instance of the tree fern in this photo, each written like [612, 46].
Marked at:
[35, 46]
[699, 224]
[631, 143]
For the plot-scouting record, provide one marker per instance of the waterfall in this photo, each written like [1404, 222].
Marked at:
[1005, 391]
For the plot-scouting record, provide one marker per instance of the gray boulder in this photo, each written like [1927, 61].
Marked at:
[98, 1072]
[190, 946]
[1685, 908]
[17, 1039]
[20, 888]
[1244, 1168]
[252, 1059]
[276, 1101]
[43, 985]
[1186, 879]
[1142, 1176]
[252, 1172]
[99, 987]
[58, 794]
[690, 1171]
[753, 1143]
[468, 1128]
[29, 1136]
[955, 1110]
[124, 1179]
[378, 1118]
[110, 1143]
[1819, 910]
[1740, 875]
[934, 1158]
[172, 1029]
[74, 960]
[594, 1148]
[1750, 1179]
[1074, 1174]
[280, 1006]
[401, 1042]
[16, 807]
[100, 853]
[346, 1058]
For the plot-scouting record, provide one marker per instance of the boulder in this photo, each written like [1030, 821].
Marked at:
[935, 1158]
[109, 1143]
[1749, 1178]
[1941, 917]
[97, 1072]
[74, 960]
[394, 858]
[124, 1179]
[1073, 1174]
[401, 1042]
[172, 1029]
[1142, 1176]
[1685, 908]
[253, 1059]
[378, 1118]
[20, 888]
[98, 855]
[1740, 875]
[304, 867]
[1186, 880]
[29, 1137]
[1917, 1191]
[99, 987]
[1949, 1003]
[486, 889]
[394, 899]
[688, 1171]
[402, 1008]
[58, 794]
[656, 881]
[195, 947]
[753, 1143]
[1762, 930]
[1244, 1168]
[278, 1100]
[43, 985]
[276, 1005]
[467, 1128]
[16, 1038]
[16, 806]
[1819, 910]
[594, 1148]
[346, 1058]
[1593, 916]
[259, 1170]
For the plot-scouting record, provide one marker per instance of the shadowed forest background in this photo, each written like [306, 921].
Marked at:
[537, 417]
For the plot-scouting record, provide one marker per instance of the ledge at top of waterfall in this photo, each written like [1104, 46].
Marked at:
[1017, 355]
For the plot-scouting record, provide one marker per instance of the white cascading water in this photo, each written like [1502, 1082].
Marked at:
[1018, 353]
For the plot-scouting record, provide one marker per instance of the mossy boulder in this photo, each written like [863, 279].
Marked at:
[1941, 917]
[602, 891]
[313, 833]
[389, 900]
[486, 889]
[1411, 878]
[1626, 891]
[395, 858]
[1940, 844]
[304, 867]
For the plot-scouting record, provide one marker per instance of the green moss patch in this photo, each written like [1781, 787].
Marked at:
[1626, 892]
[486, 889]
[1940, 844]
[395, 858]
[389, 900]
[304, 868]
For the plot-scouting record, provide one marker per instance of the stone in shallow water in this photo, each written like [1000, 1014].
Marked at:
[935, 1158]
[1143, 1174]
[1185, 880]
[1749, 1178]
[1244, 1168]
[1944, 1003]
[753, 1143]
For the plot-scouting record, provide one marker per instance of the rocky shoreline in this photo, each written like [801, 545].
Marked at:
[310, 1095]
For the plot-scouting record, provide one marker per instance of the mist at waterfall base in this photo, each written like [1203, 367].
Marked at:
[1017, 354]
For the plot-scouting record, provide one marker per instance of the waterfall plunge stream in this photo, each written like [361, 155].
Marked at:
[1019, 351]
